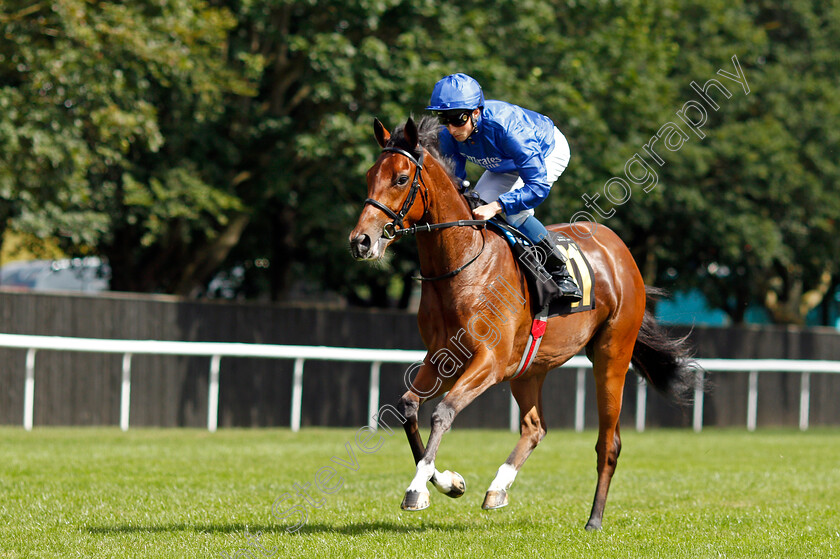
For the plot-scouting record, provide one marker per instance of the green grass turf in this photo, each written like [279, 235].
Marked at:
[68, 492]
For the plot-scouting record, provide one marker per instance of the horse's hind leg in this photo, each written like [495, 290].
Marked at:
[532, 429]
[610, 368]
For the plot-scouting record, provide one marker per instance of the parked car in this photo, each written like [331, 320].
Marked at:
[89, 274]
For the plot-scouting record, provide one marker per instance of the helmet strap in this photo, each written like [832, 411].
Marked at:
[473, 120]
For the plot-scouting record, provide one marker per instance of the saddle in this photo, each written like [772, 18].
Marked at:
[576, 262]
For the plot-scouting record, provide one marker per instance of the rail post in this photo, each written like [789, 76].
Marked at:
[213, 394]
[580, 399]
[29, 390]
[125, 392]
[641, 404]
[752, 401]
[297, 394]
[804, 400]
[373, 394]
[697, 422]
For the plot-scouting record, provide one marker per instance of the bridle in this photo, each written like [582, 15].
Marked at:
[390, 230]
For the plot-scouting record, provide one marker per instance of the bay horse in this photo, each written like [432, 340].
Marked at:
[411, 189]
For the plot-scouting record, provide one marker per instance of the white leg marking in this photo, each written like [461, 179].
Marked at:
[504, 478]
[425, 470]
[444, 481]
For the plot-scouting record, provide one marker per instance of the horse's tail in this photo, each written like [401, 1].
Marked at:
[665, 362]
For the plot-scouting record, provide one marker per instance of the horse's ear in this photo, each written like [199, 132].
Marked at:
[410, 132]
[381, 134]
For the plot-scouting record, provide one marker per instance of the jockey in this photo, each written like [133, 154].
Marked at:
[523, 154]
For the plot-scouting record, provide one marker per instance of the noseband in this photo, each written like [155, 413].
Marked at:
[389, 230]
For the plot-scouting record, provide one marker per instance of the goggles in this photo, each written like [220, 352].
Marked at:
[457, 118]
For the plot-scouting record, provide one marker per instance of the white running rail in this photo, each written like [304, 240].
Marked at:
[217, 350]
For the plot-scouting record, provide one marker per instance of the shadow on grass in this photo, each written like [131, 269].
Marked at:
[359, 528]
[353, 529]
[180, 527]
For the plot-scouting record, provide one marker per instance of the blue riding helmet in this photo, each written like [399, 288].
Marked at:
[457, 91]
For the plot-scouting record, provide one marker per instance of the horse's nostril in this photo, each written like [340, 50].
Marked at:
[360, 245]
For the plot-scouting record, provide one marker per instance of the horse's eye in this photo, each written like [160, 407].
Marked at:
[402, 180]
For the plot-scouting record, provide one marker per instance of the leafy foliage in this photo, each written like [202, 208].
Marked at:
[182, 137]
[101, 103]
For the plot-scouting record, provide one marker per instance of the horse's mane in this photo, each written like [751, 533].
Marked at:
[428, 129]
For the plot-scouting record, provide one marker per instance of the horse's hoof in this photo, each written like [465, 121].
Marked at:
[415, 500]
[454, 485]
[495, 500]
[593, 526]
[459, 486]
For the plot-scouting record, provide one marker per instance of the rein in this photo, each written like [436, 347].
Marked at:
[457, 270]
[390, 230]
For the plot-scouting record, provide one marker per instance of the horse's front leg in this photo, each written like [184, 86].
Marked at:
[408, 406]
[468, 387]
[430, 386]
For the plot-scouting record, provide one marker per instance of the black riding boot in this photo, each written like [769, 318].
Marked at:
[555, 265]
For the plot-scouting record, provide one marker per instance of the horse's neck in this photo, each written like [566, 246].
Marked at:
[444, 250]
[445, 202]
[489, 285]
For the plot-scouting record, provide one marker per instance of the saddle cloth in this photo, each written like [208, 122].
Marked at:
[576, 262]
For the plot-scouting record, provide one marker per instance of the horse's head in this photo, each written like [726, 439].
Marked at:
[393, 185]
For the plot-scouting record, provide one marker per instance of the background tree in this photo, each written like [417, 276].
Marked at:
[753, 218]
[182, 138]
[102, 106]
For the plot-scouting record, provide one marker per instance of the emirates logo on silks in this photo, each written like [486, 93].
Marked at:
[486, 162]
